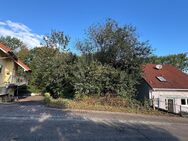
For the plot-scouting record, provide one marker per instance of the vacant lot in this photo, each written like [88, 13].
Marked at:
[33, 121]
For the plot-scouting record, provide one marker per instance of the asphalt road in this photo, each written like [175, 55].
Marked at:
[32, 121]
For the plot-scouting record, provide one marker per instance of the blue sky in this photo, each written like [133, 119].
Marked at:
[163, 22]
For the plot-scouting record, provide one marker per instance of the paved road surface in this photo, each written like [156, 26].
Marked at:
[32, 121]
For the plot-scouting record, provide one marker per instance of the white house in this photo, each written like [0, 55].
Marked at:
[166, 85]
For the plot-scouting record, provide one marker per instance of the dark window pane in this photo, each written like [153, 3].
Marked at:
[183, 102]
[1, 67]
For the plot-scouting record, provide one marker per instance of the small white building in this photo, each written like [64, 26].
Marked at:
[166, 86]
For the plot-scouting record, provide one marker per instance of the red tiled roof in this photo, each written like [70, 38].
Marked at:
[175, 79]
[21, 64]
[4, 48]
[7, 50]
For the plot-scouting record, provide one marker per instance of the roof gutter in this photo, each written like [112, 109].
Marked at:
[26, 70]
[4, 51]
[168, 89]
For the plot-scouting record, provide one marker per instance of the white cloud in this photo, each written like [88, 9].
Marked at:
[20, 31]
[2, 23]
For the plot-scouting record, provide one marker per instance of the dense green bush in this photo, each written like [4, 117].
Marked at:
[78, 79]
[101, 80]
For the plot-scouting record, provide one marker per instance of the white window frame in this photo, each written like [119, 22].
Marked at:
[186, 101]
[161, 78]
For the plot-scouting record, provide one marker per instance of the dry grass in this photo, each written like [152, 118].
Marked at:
[101, 104]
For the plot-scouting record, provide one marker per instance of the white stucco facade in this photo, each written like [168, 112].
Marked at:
[177, 98]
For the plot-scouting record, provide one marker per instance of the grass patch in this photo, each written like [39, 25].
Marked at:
[101, 104]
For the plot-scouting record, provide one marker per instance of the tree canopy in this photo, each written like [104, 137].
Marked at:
[178, 60]
[12, 42]
[109, 64]
[57, 39]
[119, 48]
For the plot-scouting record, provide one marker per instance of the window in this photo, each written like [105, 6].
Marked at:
[183, 102]
[1, 67]
[166, 103]
[160, 78]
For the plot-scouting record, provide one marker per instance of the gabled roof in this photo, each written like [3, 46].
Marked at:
[175, 79]
[21, 64]
[10, 53]
[4, 48]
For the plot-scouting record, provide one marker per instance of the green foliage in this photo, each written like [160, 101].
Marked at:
[108, 68]
[43, 62]
[65, 75]
[47, 98]
[47, 95]
[11, 42]
[109, 65]
[118, 48]
[115, 45]
[23, 53]
[57, 39]
[61, 80]
[49, 64]
[33, 89]
[178, 60]
[97, 79]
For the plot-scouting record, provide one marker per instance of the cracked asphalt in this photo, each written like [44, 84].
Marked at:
[32, 121]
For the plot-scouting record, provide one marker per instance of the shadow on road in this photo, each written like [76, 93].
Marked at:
[28, 121]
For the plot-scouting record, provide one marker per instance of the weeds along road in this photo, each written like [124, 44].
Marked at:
[33, 121]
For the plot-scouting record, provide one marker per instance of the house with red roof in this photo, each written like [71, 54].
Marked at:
[9, 78]
[166, 86]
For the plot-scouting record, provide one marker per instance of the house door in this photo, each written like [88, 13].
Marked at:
[170, 105]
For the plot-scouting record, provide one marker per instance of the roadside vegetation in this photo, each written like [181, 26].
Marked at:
[102, 76]
[116, 104]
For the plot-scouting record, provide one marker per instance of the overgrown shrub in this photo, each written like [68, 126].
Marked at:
[47, 98]
[101, 80]
[66, 75]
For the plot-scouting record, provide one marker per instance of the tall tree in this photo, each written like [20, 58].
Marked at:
[47, 59]
[118, 47]
[115, 45]
[57, 39]
[11, 42]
